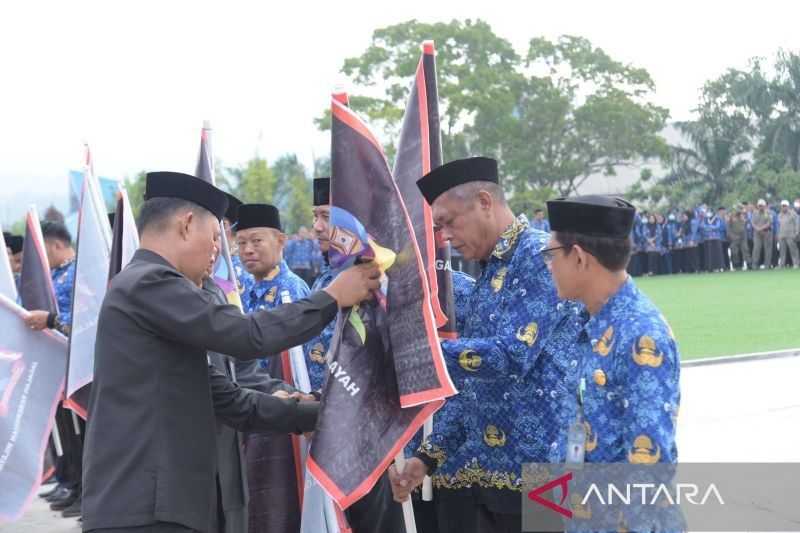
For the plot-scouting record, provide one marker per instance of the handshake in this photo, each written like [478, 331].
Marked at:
[297, 395]
[300, 397]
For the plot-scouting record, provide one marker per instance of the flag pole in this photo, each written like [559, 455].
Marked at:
[408, 507]
[57, 441]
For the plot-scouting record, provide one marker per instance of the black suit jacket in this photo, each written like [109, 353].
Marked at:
[150, 443]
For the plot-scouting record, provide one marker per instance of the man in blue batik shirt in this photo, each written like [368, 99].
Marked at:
[260, 240]
[628, 395]
[61, 259]
[316, 349]
[630, 364]
[513, 372]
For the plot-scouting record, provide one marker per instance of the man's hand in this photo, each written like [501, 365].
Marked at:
[302, 397]
[281, 394]
[37, 320]
[355, 284]
[410, 478]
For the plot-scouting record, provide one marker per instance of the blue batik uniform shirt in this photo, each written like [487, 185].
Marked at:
[266, 294]
[317, 348]
[509, 391]
[630, 367]
[63, 281]
[244, 278]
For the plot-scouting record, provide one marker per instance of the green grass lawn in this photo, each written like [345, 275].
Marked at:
[729, 313]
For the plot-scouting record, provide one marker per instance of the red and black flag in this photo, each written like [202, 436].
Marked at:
[91, 282]
[387, 374]
[36, 290]
[224, 274]
[420, 151]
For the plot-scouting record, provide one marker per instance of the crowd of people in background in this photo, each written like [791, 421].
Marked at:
[303, 255]
[747, 237]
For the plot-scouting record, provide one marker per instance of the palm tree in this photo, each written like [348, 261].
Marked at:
[709, 166]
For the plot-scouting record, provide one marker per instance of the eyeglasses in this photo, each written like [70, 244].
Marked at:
[548, 255]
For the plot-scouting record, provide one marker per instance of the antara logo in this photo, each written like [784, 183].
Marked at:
[563, 482]
[645, 494]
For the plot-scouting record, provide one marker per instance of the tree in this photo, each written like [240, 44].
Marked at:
[766, 108]
[135, 187]
[293, 196]
[706, 171]
[578, 113]
[297, 211]
[553, 117]
[257, 182]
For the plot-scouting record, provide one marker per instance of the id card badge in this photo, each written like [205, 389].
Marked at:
[576, 443]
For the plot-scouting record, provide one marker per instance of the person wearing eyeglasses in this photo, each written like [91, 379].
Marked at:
[629, 367]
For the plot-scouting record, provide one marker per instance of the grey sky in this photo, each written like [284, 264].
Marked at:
[137, 78]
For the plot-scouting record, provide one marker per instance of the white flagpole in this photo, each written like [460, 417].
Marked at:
[408, 507]
[302, 382]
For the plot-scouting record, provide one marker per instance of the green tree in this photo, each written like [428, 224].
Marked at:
[257, 182]
[135, 186]
[554, 117]
[764, 105]
[297, 211]
[293, 196]
[705, 171]
[578, 113]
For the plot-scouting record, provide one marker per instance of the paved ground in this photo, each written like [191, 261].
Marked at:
[739, 412]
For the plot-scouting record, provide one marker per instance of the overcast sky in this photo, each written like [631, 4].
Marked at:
[137, 78]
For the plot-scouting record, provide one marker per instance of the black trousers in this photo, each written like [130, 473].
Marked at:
[158, 527]
[691, 259]
[377, 511]
[653, 259]
[475, 518]
[713, 255]
[425, 514]
[726, 255]
[69, 466]
[478, 510]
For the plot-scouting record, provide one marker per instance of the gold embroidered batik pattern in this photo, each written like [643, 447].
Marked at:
[508, 239]
[434, 452]
[473, 475]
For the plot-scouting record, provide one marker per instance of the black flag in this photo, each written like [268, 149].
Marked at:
[387, 374]
[36, 286]
[420, 151]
